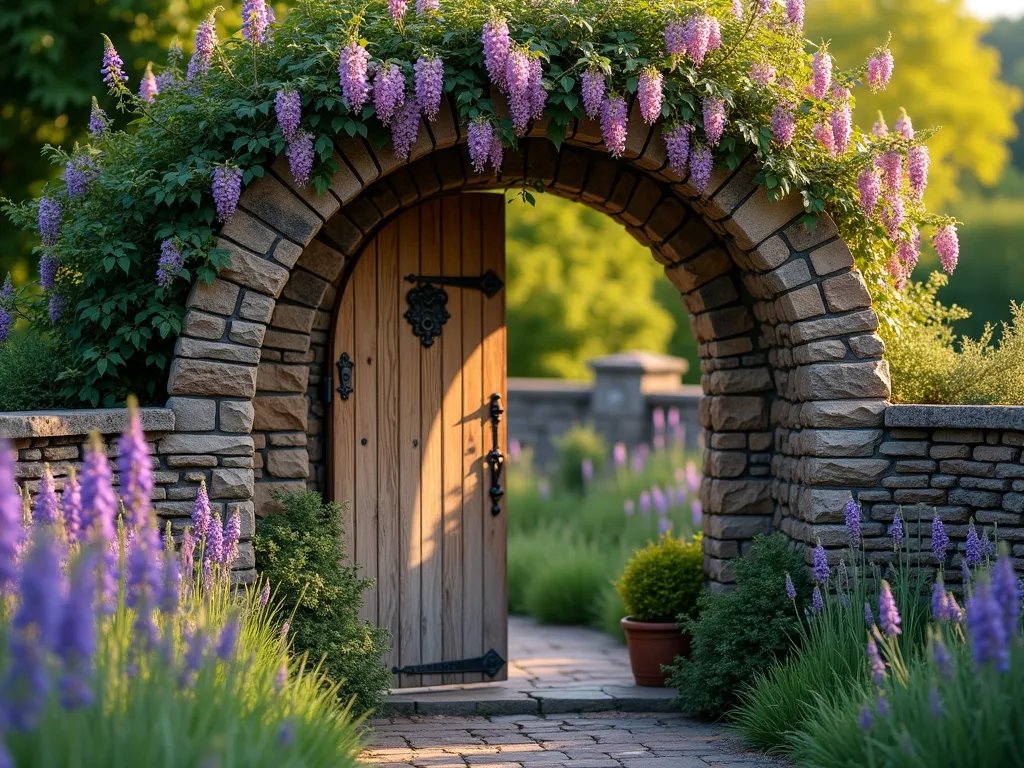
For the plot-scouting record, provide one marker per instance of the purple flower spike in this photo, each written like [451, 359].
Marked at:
[480, 135]
[195, 651]
[228, 639]
[496, 42]
[896, 531]
[78, 172]
[628, 507]
[71, 505]
[255, 20]
[170, 264]
[201, 515]
[956, 615]
[790, 589]
[869, 617]
[352, 74]
[875, 662]
[696, 512]
[300, 158]
[940, 610]
[188, 553]
[593, 88]
[429, 85]
[947, 245]
[817, 601]
[864, 719]
[113, 67]
[55, 307]
[170, 594]
[47, 510]
[232, 533]
[587, 469]
[98, 122]
[987, 629]
[99, 511]
[664, 526]
[388, 92]
[405, 128]
[215, 541]
[645, 502]
[888, 613]
[649, 94]
[148, 88]
[136, 471]
[702, 162]
[714, 119]
[205, 45]
[226, 189]
[943, 661]
[853, 518]
[77, 634]
[940, 541]
[50, 215]
[935, 702]
[614, 116]
[264, 595]
[821, 569]
[288, 108]
[1006, 593]
[882, 706]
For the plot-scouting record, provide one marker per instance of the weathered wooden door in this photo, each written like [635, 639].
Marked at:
[413, 434]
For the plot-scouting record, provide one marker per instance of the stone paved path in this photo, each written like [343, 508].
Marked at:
[593, 740]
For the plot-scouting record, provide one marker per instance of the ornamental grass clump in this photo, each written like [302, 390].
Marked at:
[117, 651]
[662, 581]
[734, 81]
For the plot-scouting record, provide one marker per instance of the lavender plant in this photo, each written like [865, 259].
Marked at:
[117, 651]
[733, 78]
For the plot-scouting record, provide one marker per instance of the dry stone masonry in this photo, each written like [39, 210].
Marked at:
[794, 378]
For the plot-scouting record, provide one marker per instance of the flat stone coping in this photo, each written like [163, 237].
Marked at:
[1004, 417]
[541, 386]
[106, 421]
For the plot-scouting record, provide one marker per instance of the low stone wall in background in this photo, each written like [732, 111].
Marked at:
[58, 438]
[961, 462]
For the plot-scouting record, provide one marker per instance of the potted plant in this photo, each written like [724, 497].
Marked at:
[659, 585]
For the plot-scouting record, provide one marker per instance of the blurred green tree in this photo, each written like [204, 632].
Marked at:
[1007, 36]
[944, 75]
[579, 286]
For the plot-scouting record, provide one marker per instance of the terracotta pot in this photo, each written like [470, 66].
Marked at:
[652, 644]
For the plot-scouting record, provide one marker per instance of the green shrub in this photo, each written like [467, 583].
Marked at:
[300, 553]
[562, 589]
[931, 364]
[29, 371]
[577, 445]
[740, 633]
[608, 612]
[527, 553]
[663, 580]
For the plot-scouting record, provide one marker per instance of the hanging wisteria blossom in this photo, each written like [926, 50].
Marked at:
[880, 68]
[649, 94]
[870, 188]
[170, 263]
[205, 46]
[352, 74]
[479, 135]
[51, 213]
[697, 38]
[593, 89]
[405, 128]
[947, 245]
[841, 119]
[701, 164]
[300, 157]
[429, 85]
[78, 172]
[762, 73]
[388, 91]
[255, 20]
[427, 6]
[821, 69]
[614, 118]
[288, 109]
[226, 189]
[783, 124]
[675, 38]
[714, 118]
[496, 42]
[904, 126]
[917, 169]
[677, 145]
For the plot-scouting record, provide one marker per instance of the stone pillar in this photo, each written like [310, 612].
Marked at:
[622, 383]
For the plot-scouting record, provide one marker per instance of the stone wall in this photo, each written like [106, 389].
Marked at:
[58, 438]
[960, 462]
[619, 403]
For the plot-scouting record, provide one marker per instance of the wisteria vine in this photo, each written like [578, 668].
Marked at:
[724, 79]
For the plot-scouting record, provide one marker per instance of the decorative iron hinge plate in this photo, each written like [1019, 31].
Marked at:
[345, 366]
[428, 301]
[490, 664]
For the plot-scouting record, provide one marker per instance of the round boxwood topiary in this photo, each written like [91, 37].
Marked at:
[663, 580]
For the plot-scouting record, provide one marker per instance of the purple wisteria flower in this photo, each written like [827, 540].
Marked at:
[593, 89]
[820, 569]
[205, 45]
[113, 67]
[841, 120]
[713, 110]
[398, 9]
[517, 85]
[790, 589]
[918, 161]
[893, 216]
[388, 92]
[947, 245]
[783, 124]
[78, 172]
[817, 601]
[649, 94]
[300, 157]
[427, 6]
[136, 472]
[480, 134]
[148, 87]
[288, 109]
[55, 307]
[71, 505]
[405, 128]
[702, 162]
[496, 42]
[614, 116]
[940, 541]
[737, 8]
[429, 78]
[48, 266]
[255, 20]
[170, 264]
[904, 126]
[677, 145]
[821, 69]
[875, 662]
[226, 189]
[675, 38]
[98, 122]
[853, 518]
[880, 68]
[47, 510]
[11, 532]
[972, 549]
[76, 638]
[762, 73]
[50, 215]
[987, 629]
[697, 38]
[795, 13]
[870, 187]
[888, 615]
[538, 93]
[352, 74]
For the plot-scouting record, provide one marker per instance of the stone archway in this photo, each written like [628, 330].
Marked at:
[794, 377]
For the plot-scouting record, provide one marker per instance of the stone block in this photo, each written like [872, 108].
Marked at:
[202, 325]
[192, 414]
[217, 350]
[280, 413]
[904, 448]
[738, 497]
[972, 468]
[758, 217]
[256, 307]
[831, 381]
[831, 257]
[855, 473]
[288, 463]
[736, 526]
[730, 413]
[192, 445]
[819, 505]
[950, 451]
[843, 413]
[739, 381]
[790, 275]
[770, 254]
[982, 499]
[292, 317]
[248, 232]
[920, 496]
[218, 297]
[276, 377]
[236, 416]
[272, 201]
[867, 346]
[801, 304]
[263, 496]
[231, 484]
[249, 334]
[725, 463]
[840, 443]
[253, 271]
[203, 377]
[295, 342]
[856, 322]
[996, 453]
[845, 292]
[819, 352]
[1013, 502]
[700, 270]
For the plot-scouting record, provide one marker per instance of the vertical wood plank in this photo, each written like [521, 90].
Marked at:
[388, 522]
[364, 376]
[410, 453]
[495, 587]
[451, 438]
[343, 443]
[430, 471]
[473, 405]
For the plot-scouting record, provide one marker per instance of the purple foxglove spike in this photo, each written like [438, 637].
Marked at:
[869, 617]
[853, 518]
[196, 643]
[896, 531]
[71, 504]
[76, 643]
[875, 662]
[821, 569]
[817, 601]
[1007, 593]
[940, 541]
[170, 594]
[201, 514]
[228, 639]
[264, 595]
[986, 628]
[11, 533]
[888, 614]
[215, 541]
[972, 551]
[940, 610]
[47, 510]
[136, 471]
[790, 589]
[232, 533]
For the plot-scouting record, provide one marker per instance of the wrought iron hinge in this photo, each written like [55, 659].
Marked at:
[490, 664]
[495, 458]
[428, 302]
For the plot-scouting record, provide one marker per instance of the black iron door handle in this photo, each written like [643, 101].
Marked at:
[495, 457]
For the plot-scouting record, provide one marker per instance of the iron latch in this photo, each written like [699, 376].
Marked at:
[490, 664]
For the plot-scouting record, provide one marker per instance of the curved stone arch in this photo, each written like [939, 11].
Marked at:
[794, 377]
